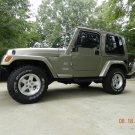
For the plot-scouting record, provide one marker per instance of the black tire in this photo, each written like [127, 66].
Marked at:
[84, 84]
[14, 83]
[114, 82]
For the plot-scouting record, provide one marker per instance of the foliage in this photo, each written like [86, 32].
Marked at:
[32, 35]
[13, 24]
[120, 16]
[131, 57]
[2, 52]
[57, 16]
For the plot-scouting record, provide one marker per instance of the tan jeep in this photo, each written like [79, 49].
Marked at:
[79, 56]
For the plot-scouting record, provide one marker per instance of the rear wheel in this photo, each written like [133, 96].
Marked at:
[84, 84]
[114, 82]
[27, 84]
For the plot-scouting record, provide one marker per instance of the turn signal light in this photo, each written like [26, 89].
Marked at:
[8, 58]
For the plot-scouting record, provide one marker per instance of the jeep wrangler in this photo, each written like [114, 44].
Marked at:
[79, 56]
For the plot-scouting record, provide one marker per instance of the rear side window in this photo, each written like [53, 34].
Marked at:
[114, 45]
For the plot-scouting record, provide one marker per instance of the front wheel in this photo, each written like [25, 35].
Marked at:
[27, 84]
[114, 82]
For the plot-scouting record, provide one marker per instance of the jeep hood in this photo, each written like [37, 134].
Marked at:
[52, 52]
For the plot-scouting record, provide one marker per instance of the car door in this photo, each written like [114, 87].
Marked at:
[86, 55]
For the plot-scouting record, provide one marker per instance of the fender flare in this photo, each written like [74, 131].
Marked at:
[37, 58]
[108, 64]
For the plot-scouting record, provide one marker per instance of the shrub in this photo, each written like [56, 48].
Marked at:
[2, 52]
[131, 57]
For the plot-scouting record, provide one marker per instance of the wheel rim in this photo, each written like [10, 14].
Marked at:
[117, 81]
[29, 84]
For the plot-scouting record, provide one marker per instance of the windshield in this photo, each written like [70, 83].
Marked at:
[64, 40]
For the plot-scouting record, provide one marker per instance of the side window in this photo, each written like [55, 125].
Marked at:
[114, 45]
[88, 39]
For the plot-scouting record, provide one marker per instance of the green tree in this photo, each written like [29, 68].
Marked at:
[57, 16]
[108, 16]
[13, 23]
[120, 18]
[32, 35]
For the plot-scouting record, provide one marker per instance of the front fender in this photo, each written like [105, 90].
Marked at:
[28, 57]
